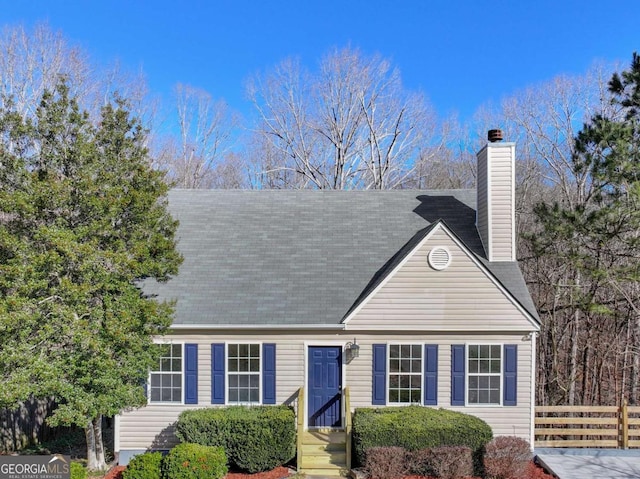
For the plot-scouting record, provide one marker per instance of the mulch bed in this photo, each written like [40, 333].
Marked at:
[535, 472]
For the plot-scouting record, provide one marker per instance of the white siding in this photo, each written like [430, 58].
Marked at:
[152, 426]
[459, 298]
[496, 197]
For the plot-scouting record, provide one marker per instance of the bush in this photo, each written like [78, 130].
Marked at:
[144, 466]
[255, 439]
[194, 461]
[507, 457]
[451, 462]
[385, 462]
[415, 427]
[78, 471]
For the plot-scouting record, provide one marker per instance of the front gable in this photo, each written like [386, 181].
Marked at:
[463, 296]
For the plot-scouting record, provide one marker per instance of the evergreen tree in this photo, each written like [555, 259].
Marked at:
[83, 221]
[598, 235]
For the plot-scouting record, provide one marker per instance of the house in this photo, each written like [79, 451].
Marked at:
[399, 297]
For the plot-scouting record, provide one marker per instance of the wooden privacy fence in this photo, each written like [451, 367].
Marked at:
[587, 426]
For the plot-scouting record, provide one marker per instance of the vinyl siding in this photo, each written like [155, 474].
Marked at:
[152, 427]
[496, 197]
[461, 297]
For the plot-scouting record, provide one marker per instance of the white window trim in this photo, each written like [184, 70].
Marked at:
[401, 343]
[226, 373]
[165, 403]
[466, 374]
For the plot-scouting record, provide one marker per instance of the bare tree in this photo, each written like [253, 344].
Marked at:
[350, 125]
[205, 127]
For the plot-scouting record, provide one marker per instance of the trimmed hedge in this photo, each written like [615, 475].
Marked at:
[194, 461]
[256, 438]
[144, 466]
[415, 427]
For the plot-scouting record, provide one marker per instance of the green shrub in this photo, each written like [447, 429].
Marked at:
[144, 466]
[256, 439]
[194, 461]
[78, 471]
[415, 427]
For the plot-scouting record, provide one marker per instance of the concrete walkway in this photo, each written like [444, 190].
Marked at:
[590, 463]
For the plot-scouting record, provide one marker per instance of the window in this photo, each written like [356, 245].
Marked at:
[166, 380]
[405, 373]
[243, 361]
[484, 376]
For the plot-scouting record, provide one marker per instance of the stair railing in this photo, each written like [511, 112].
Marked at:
[300, 414]
[347, 424]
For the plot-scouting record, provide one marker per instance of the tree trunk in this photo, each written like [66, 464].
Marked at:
[95, 448]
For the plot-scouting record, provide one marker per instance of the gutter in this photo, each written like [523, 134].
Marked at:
[338, 327]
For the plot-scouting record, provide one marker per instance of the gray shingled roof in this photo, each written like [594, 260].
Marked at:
[304, 257]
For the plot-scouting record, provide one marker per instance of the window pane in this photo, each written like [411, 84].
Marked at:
[483, 397]
[495, 352]
[165, 364]
[416, 366]
[415, 396]
[243, 365]
[233, 395]
[243, 350]
[254, 381]
[405, 396]
[473, 382]
[404, 381]
[233, 350]
[484, 366]
[155, 394]
[484, 351]
[483, 382]
[405, 350]
[405, 366]
[177, 394]
[243, 395]
[394, 351]
[233, 380]
[394, 365]
[176, 380]
[473, 352]
[254, 364]
[254, 396]
[255, 350]
[165, 381]
[416, 351]
[155, 380]
[233, 365]
[394, 381]
[474, 367]
[176, 364]
[495, 397]
[166, 395]
[415, 382]
[495, 382]
[243, 381]
[495, 366]
[176, 350]
[393, 395]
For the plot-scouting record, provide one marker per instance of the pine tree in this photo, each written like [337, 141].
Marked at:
[83, 220]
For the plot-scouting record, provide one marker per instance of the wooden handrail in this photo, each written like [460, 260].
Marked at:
[300, 414]
[347, 424]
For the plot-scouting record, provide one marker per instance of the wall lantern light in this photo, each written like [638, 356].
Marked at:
[353, 349]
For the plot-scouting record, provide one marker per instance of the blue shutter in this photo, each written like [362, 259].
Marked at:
[191, 374]
[457, 374]
[217, 373]
[379, 375]
[268, 373]
[510, 375]
[431, 374]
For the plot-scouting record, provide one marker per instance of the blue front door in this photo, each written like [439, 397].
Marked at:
[325, 386]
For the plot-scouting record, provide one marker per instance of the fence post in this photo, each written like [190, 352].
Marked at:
[624, 425]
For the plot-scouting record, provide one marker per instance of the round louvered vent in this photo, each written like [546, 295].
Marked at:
[439, 258]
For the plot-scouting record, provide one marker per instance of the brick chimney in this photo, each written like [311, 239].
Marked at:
[495, 214]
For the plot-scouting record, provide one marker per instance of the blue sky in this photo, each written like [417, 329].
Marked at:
[460, 53]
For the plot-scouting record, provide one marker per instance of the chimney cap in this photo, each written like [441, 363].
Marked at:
[494, 135]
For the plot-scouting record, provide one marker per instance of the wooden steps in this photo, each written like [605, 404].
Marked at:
[323, 453]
